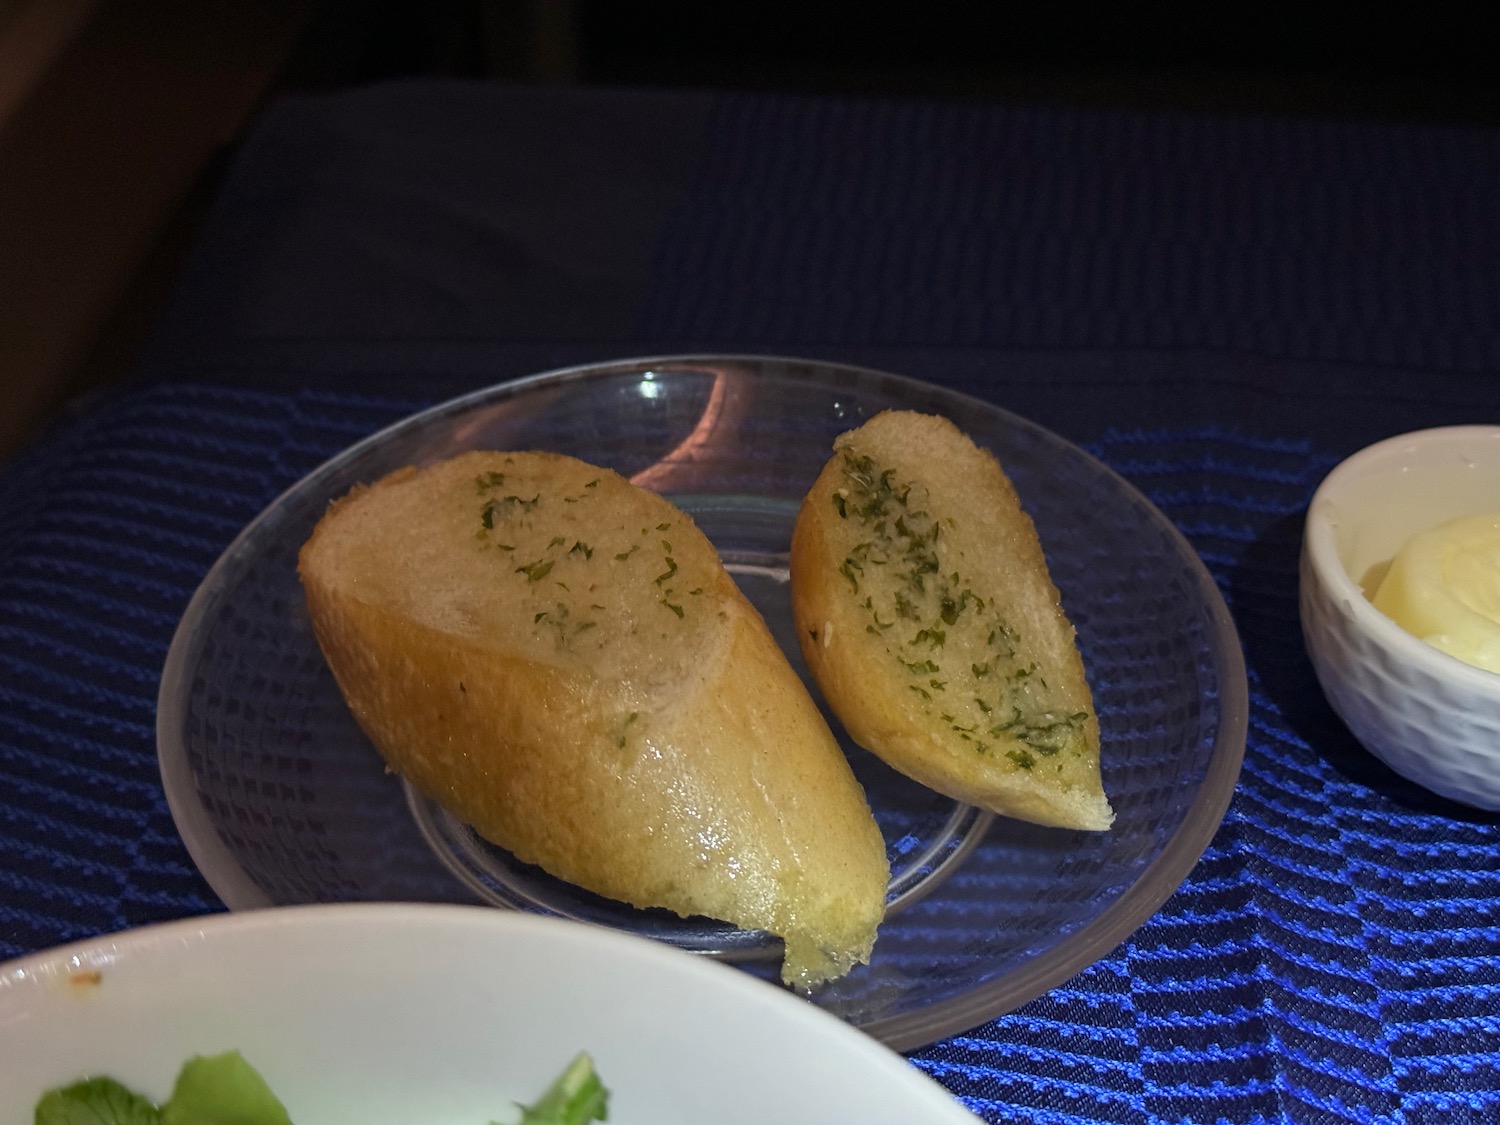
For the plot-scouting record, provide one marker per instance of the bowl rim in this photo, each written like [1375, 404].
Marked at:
[224, 941]
[1320, 550]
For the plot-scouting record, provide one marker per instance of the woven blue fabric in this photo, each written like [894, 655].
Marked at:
[1219, 308]
[104, 535]
[860, 222]
[1334, 956]
[432, 214]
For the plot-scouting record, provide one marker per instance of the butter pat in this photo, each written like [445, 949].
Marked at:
[1444, 587]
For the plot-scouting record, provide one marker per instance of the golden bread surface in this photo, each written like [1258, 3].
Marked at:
[561, 660]
[928, 618]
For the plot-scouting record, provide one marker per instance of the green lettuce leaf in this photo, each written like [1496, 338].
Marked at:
[222, 1090]
[575, 1097]
[95, 1101]
[227, 1090]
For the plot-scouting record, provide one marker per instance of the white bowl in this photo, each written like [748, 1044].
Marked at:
[1429, 716]
[447, 1015]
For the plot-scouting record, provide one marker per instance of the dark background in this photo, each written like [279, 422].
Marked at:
[1431, 62]
[118, 117]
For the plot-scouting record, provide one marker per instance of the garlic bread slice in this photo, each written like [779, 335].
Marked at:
[561, 660]
[929, 621]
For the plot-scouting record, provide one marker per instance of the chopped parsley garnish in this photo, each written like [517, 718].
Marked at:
[945, 615]
[536, 571]
[624, 728]
[504, 507]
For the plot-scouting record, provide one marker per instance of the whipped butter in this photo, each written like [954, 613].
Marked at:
[1444, 587]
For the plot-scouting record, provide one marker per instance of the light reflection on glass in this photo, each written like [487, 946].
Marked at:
[699, 441]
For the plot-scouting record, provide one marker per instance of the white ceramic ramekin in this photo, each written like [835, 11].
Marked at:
[1430, 717]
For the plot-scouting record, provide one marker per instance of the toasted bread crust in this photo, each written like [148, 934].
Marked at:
[927, 616]
[621, 717]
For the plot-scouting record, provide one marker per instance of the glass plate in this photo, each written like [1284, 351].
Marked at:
[281, 800]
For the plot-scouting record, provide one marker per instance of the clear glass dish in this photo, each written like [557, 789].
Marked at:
[281, 800]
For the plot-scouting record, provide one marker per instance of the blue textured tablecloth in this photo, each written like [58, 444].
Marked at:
[1219, 308]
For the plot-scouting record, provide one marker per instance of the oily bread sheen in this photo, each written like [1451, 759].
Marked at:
[927, 616]
[560, 659]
